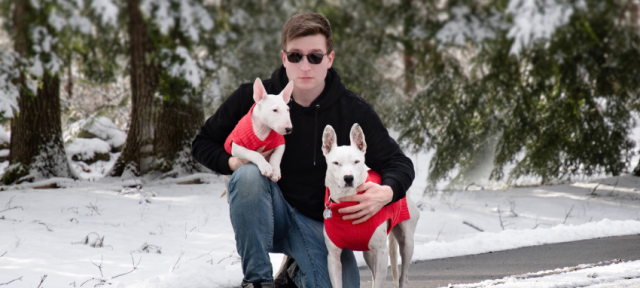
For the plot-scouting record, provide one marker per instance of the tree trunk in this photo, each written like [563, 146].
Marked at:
[137, 154]
[37, 150]
[178, 124]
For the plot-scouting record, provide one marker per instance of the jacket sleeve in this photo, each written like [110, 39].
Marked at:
[208, 145]
[384, 156]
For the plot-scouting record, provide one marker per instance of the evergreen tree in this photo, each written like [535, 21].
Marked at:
[39, 31]
[549, 88]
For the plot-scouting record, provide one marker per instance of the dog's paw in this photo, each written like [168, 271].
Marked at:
[276, 174]
[266, 169]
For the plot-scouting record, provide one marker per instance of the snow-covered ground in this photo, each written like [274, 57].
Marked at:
[179, 235]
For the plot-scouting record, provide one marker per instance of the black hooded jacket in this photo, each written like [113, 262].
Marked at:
[303, 164]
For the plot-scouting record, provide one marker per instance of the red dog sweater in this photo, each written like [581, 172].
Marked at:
[244, 136]
[356, 237]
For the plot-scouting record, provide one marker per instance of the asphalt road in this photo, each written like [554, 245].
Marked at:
[496, 265]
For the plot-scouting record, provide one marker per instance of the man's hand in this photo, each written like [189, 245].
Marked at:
[371, 201]
[235, 162]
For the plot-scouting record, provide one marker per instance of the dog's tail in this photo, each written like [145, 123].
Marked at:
[393, 254]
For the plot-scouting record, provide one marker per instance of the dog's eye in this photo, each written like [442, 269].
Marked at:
[275, 110]
[336, 163]
[357, 161]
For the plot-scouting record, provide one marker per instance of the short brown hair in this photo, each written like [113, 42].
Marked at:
[306, 24]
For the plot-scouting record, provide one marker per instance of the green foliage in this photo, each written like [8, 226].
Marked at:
[561, 107]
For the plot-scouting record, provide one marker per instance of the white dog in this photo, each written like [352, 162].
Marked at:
[262, 130]
[346, 171]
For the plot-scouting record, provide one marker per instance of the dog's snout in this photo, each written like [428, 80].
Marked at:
[348, 179]
[288, 130]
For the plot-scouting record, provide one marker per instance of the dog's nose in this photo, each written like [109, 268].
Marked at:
[348, 179]
[288, 130]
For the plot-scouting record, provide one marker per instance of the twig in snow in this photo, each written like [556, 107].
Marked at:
[512, 208]
[185, 231]
[99, 266]
[610, 193]
[568, 213]
[133, 263]
[11, 281]
[9, 206]
[472, 226]
[500, 217]
[176, 265]
[593, 192]
[92, 207]
[441, 228]
[199, 256]
[42, 280]
[5, 253]
[42, 223]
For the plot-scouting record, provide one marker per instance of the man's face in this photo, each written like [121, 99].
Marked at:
[307, 77]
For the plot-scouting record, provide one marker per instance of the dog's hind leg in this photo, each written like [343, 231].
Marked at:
[404, 233]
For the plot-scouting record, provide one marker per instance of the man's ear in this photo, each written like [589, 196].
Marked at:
[258, 90]
[328, 140]
[357, 138]
[330, 58]
[286, 93]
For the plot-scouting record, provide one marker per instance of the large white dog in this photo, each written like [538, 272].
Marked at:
[262, 130]
[346, 171]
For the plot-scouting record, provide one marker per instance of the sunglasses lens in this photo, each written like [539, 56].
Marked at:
[315, 58]
[294, 57]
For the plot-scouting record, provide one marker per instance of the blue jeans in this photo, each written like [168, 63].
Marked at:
[264, 223]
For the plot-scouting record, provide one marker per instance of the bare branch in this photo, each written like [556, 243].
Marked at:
[176, 265]
[99, 266]
[11, 281]
[472, 226]
[42, 280]
[500, 217]
[185, 231]
[568, 213]
[5, 253]
[441, 228]
[42, 223]
[133, 263]
[9, 205]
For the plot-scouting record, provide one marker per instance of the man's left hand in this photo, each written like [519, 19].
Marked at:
[371, 201]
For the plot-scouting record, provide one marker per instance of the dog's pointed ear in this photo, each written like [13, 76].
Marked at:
[329, 139]
[258, 91]
[286, 93]
[357, 138]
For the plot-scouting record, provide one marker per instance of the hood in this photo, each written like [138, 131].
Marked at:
[335, 90]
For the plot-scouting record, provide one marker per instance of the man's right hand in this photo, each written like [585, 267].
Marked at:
[235, 162]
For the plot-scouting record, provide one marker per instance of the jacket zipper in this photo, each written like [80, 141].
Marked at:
[316, 136]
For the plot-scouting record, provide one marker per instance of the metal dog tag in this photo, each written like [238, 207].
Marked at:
[327, 213]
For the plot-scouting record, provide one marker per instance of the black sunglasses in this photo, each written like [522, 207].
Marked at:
[313, 58]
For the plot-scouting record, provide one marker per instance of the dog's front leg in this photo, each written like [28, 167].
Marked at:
[333, 261]
[254, 157]
[276, 157]
[377, 255]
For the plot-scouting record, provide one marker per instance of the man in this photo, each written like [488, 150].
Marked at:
[286, 217]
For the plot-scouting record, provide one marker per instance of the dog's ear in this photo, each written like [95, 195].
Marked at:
[357, 138]
[286, 93]
[329, 139]
[258, 90]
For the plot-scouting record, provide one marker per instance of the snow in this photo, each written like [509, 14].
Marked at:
[190, 241]
[4, 136]
[100, 126]
[107, 10]
[535, 20]
[86, 148]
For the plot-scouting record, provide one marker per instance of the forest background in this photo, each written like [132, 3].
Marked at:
[548, 88]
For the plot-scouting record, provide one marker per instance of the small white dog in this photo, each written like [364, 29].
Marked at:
[346, 171]
[261, 130]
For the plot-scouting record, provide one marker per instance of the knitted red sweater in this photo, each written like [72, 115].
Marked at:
[356, 237]
[244, 136]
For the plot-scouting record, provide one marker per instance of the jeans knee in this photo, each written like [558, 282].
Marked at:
[249, 180]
